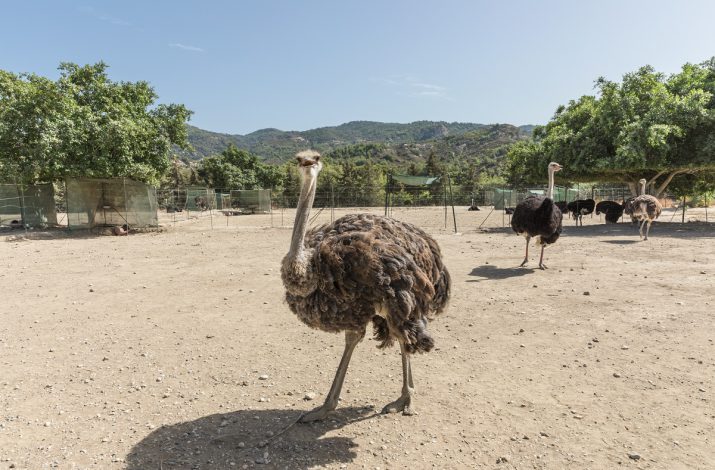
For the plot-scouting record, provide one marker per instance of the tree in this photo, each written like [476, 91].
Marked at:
[649, 125]
[238, 169]
[85, 125]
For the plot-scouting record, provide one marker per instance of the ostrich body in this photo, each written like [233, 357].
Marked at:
[645, 208]
[539, 217]
[363, 268]
[611, 209]
[579, 208]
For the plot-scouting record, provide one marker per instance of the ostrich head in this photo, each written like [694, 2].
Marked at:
[554, 167]
[642, 182]
[309, 164]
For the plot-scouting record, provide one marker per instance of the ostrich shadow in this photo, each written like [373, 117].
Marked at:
[250, 437]
[621, 242]
[488, 271]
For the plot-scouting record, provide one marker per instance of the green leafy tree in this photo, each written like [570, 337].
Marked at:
[85, 125]
[238, 169]
[649, 125]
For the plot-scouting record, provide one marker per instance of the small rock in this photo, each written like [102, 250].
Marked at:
[309, 396]
[616, 375]
[502, 460]
[586, 293]
[634, 456]
[263, 377]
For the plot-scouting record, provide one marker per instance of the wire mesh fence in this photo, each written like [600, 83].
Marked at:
[90, 203]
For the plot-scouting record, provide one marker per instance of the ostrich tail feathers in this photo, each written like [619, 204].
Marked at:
[381, 332]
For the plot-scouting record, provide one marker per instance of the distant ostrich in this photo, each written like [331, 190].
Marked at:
[646, 209]
[363, 268]
[611, 209]
[579, 208]
[538, 216]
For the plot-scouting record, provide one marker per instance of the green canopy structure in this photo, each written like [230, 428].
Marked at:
[418, 182]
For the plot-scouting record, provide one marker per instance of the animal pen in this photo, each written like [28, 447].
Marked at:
[79, 203]
[27, 205]
[94, 203]
[402, 189]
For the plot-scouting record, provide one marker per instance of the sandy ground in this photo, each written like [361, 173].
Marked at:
[175, 350]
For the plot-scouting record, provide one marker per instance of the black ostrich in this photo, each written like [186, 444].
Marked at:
[611, 209]
[579, 208]
[539, 217]
[363, 268]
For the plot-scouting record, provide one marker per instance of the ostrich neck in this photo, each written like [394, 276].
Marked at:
[642, 189]
[305, 202]
[550, 191]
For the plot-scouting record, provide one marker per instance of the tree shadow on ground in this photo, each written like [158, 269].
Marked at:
[658, 229]
[231, 440]
[489, 271]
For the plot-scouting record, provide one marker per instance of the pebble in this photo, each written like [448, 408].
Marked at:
[263, 377]
[309, 396]
[616, 375]
[586, 293]
[634, 456]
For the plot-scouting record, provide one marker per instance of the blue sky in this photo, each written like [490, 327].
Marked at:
[296, 65]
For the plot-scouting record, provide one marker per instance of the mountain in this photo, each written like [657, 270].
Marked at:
[403, 142]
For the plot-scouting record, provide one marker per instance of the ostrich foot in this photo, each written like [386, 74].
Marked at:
[524, 263]
[403, 404]
[542, 266]
[318, 414]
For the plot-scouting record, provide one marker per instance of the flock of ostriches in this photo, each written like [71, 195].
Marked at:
[364, 268]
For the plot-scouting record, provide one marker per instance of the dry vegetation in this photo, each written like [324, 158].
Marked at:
[174, 350]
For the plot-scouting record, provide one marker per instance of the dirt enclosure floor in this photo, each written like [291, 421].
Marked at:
[175, 350]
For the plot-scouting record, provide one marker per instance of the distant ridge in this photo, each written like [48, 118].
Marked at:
[276, 146]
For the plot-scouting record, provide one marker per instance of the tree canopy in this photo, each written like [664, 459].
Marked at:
[648, 126]
[85, 125]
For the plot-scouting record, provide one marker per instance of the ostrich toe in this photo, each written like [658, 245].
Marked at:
[318, 414]
[403, 404]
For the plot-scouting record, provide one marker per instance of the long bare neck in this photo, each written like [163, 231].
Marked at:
[305, 202]
[643, 188]
[550, 191]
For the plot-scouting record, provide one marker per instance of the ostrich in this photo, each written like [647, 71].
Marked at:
[645, 208]
[538, 216]
[579, 208]
[611, 209]
[358, 269]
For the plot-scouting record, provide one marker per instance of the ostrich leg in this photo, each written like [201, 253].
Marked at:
[526, 256]
[640, 228]
[352, 338]
[404, 403]
[541, 259]
[647, 230]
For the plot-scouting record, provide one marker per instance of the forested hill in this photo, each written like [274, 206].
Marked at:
[276, 146]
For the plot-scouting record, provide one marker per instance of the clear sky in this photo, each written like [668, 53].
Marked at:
[300, 64]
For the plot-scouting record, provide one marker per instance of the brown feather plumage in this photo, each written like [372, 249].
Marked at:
[372, 268]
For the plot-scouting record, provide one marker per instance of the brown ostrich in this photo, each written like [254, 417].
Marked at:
[363, 268]
[645, 208]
